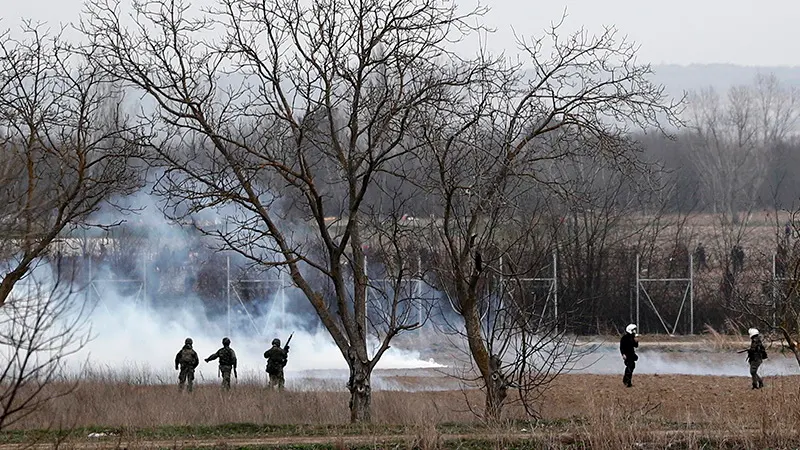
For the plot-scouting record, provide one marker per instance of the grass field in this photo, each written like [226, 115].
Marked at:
[578, 411]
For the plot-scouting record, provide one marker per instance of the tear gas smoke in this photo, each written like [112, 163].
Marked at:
[135, 330]
[607, 361]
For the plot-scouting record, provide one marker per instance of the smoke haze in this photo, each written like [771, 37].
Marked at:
[137, 331]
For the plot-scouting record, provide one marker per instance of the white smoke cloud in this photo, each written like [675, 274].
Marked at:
[607, 362]
[130, 336]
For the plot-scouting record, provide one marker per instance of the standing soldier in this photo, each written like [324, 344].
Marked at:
[755, 355]
[187, 361]
[276, 361]
[227, 362]
[700, 258]
[627, 346]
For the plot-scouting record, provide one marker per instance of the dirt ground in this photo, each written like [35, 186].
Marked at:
[584, 406]
[688, 399]
[675, 398]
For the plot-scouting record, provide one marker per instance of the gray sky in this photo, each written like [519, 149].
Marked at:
[742, 32]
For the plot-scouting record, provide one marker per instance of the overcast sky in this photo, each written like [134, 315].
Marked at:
[745, 32]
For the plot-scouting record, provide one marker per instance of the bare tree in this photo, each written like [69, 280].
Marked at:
[611, 214]
[500, 141]
[64, 147]
[732, 137]
[42, 324]
[776, 305]
[286, 120]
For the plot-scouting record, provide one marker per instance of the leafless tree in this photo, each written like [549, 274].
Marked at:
[42, 324]
[499, 141]
[776, 305]
[610, 215]
[732, 137]
[283, 120]
[64, 147]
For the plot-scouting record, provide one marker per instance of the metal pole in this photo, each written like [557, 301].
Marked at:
[691, 294]
[282, 279]
[228, 277]
[502, 283]
[774, 291]
[89, 280]
[366, 293]
[555, 289]
[419, 291]
[637, 293]
[144, 279]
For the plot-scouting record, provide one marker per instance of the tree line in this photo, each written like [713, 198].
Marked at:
[316, 131]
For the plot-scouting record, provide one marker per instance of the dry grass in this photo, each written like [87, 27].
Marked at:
[588, 411]
[120, 405]
[722, 342]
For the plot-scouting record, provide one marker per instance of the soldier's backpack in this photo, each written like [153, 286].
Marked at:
[226, 356]
[187, 357]
[275, 364]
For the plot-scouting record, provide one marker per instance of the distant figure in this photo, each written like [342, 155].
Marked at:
[227, 362]
[187, 361]
[700, 257]
[737, 258]
[277, 358]
[787, 231]
[755, 355]
[627, 346]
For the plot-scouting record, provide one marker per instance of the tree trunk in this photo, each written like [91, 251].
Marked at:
[488, 365]
[360, 389]
[9, 281]
[791, 343]
[495, 391]
[796, 352]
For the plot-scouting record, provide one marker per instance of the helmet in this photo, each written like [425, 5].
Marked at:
[226, 341]
[276, 342]
[188, 341]
[752, 332]
[631, 328]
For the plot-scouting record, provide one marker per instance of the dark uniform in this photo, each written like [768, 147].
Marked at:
[627, 346]
[276, 361]
[227, 362]
[187, 361]
[756, 354]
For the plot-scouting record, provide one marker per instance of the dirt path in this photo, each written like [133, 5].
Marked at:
[566, 438]
[106, 443]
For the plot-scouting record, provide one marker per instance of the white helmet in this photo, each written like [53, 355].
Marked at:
[752, 332]
[630, 329]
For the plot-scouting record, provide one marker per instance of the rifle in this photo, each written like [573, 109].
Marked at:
[286, 346]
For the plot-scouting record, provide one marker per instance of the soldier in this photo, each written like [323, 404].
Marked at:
[187, 360]
[755, 355]
[227, 362]
[276, 361]
[627, 345]
[700, 257]
[737, 257]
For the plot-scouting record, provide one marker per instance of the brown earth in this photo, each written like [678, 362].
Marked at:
[596, 408]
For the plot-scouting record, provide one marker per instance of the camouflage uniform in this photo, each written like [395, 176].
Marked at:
[227, 362]
[756, 354]
[187, 361]
[276, 361]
